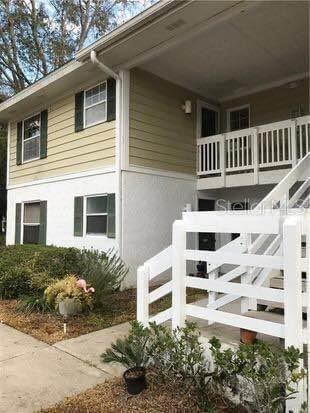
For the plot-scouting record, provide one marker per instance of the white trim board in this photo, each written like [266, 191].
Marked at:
[160, 172]
[64, 177]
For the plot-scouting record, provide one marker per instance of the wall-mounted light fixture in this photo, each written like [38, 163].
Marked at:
[187, 107]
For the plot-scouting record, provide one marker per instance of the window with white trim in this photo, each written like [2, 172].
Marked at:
[96, 214]
[31, 138]
[239, 118]
[31, 223]
[95, 105]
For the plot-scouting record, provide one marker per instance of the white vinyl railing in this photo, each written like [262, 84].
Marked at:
[277, 144]
[291, 228]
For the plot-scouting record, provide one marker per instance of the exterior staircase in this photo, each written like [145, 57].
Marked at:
[269, 265]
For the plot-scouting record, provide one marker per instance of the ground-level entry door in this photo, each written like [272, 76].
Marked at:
[206, 239]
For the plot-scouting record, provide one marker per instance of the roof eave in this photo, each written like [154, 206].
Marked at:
[142, 19]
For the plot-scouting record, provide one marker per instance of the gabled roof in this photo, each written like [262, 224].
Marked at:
[61, 79]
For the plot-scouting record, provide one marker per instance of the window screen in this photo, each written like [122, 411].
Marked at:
[31, 223]
[95, 104]
[96, 215]
[31, 138]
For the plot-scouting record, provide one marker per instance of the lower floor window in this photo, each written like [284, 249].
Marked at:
[31, 223]
[96, 214]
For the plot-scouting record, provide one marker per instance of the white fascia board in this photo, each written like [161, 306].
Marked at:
[40, 84]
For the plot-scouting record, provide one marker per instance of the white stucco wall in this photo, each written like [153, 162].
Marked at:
[60, 209]
[224, 197]
[151, 204]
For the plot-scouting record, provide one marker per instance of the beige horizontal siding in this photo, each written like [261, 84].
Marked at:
[67, 151]
[162, 136]
[271, 105]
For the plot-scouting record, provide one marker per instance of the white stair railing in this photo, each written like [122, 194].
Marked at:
[280, 193]
[163, 261]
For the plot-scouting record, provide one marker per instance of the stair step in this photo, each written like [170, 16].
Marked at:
[278, 282]
[272, 304]
[265, 315]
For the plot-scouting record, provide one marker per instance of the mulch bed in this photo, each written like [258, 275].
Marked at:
[111, 397]
[118, 308]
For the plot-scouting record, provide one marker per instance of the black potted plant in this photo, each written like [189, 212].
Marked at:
[130, 352]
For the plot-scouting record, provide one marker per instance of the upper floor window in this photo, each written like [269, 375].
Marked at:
[239, 118]
[95, 105]
[31, 138]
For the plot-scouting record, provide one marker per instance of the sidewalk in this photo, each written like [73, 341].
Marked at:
[35, 375]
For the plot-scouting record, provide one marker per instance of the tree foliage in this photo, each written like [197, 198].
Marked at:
[36, 36]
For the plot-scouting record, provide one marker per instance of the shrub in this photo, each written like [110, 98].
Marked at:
[67, 288]
[22, 267]
[33, 304]
[14, 282]
[262, 377]
[29, 269]
[130, 351]
[177, 353]
[104, 271]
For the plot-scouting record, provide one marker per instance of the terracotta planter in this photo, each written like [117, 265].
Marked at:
[69, 306]
[247, 336]
[135, 380]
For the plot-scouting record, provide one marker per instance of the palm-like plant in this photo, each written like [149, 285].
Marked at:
[130, 351]
[103, 270]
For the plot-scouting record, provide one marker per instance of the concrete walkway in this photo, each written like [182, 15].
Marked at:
[90, 346]
[35, 375]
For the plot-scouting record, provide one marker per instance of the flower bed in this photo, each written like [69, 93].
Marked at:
[118, 308]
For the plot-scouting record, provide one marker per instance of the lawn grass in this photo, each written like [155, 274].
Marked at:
[118, 308]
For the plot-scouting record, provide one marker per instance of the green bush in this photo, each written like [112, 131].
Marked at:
[14, 281]
[26, 269]
[33, 304]
[104, 271]
[29, 269]
[255, 378]
[130, 351]
[262, 377]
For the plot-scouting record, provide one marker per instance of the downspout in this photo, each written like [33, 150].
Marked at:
[102, 66]
[118, 136]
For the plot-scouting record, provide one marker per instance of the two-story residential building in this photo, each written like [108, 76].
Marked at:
[190, 105]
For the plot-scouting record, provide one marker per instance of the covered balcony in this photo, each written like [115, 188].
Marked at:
[257, 155]
[244, 67]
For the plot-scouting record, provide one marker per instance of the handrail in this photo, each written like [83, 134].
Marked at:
[276, 195]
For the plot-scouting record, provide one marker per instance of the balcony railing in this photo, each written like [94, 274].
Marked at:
[279, 144]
